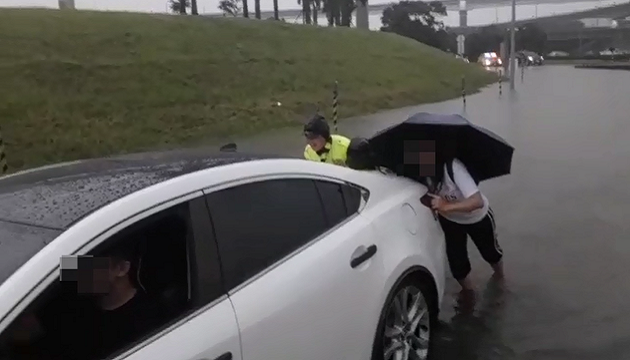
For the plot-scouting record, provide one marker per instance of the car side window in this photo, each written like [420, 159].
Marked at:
[334, 203]
[259, 223]
[340, 200]
[352, 196]
[131, 286]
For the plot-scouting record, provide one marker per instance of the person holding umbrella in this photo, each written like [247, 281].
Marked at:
[463, 211]
[321, 145]
[451, 156]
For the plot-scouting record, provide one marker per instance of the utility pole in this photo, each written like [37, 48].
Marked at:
[513, 46]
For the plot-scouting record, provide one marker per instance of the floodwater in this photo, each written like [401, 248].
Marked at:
[563, 218]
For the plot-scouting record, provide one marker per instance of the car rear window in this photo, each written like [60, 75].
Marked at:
[18, 243]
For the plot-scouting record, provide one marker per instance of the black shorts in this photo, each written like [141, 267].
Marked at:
[482, 233]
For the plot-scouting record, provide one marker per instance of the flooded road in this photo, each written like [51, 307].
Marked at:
[563, 218]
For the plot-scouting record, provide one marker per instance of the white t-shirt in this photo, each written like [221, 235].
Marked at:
[461, 188]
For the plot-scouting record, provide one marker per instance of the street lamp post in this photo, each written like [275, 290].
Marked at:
[513, 46]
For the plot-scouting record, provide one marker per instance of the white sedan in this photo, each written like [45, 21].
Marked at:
[249, 257]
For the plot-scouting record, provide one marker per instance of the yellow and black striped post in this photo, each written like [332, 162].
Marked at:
[500, 79]
[464, 89]
[4, 167]
[335, 105]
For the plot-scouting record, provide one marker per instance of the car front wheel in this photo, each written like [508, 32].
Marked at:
[406, 323]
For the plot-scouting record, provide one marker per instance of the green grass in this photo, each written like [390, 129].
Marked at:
[87, 84]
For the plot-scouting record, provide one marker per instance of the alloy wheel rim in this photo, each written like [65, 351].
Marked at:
[407, 326]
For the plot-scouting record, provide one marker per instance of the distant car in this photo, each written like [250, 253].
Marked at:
[530, 58]
[558, 54]
[490, 59]
[611, 52]
[252, 257]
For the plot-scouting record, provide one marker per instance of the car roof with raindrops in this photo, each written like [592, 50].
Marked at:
[37, 206]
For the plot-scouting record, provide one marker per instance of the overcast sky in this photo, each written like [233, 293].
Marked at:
[207, 6]
[481, 16]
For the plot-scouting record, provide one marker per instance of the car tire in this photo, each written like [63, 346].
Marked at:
[393, 331]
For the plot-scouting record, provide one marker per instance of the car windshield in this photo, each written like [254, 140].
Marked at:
[18, 243]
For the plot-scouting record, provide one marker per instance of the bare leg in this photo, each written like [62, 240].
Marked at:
[466, 284]
[467, 298]
[498, 269]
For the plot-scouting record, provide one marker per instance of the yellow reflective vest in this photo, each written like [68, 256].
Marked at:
[336, 151]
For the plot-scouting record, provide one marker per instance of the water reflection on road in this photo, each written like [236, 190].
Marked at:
[563, 218]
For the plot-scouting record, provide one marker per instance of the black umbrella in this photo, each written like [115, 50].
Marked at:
[485, 154]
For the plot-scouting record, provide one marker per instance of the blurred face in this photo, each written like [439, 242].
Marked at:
[421, 154]
[97, 278]
[317, 142]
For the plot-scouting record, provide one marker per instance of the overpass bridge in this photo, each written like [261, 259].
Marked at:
[589, 33]
[581, 40]
[555, 23]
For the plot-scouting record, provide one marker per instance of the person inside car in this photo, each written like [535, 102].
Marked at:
[110, 313]
[119, 312]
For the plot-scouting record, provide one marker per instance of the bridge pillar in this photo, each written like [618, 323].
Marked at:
[463, 23]
[66, 4]
[363, 20]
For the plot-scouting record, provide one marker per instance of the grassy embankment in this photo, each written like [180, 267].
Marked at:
[86, 84]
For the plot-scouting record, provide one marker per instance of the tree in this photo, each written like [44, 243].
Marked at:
[306, 10]
[486, 39]
[347, 7]
[532, 38]
[489, 38]
[179, 6]
[316, 6]
[417, 20]
[230, 7]
[338, 12]
[193, 7]
[257, 8]
[276, 12]
[245, 9]
[331, 9]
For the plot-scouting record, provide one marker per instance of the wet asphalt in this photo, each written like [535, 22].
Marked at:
[563, 218]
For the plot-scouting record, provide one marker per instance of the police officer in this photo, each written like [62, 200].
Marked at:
[322, 146]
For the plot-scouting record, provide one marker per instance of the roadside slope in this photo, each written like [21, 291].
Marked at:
[85, 84]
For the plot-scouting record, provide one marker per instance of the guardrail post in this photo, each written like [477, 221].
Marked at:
[464, 89]
[4, 167]
[335, 104]
[500, 79]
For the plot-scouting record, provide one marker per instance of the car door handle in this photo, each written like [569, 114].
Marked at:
[358, 260]
[226, 356]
